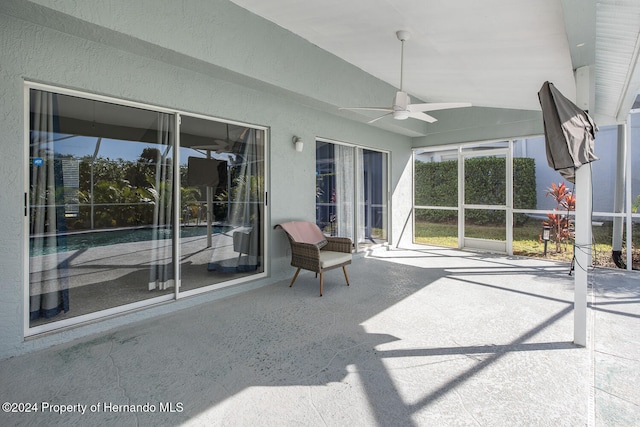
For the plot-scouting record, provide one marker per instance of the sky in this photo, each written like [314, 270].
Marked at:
[80, 146]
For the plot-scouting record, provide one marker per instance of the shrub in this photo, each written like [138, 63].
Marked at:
[436, 184]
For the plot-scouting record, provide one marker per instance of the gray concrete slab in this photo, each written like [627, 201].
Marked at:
[423, 336]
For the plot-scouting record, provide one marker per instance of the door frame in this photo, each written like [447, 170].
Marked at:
[498, 246]
[356, 191]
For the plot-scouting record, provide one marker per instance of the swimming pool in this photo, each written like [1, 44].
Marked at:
[84, 240]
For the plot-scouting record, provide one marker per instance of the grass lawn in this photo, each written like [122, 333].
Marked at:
[526, 241]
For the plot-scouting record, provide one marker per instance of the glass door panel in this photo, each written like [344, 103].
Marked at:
[372, 197]
[352, 193]
[335, 192]
[485, 200]
[100, 206]
[222, 202]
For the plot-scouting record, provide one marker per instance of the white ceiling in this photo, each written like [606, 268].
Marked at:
[492, 53]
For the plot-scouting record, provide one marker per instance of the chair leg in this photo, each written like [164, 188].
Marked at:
[344, 268]
[321, 277]
[295, 276]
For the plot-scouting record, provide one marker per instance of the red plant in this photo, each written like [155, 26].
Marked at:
[561, 224]
[558, 192]
[569, 202]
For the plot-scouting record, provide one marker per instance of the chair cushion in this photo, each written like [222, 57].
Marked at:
[329, 259]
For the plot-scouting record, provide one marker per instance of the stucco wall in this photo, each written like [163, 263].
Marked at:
[187, 63]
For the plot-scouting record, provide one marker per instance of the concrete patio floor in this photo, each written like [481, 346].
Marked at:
[423, 337]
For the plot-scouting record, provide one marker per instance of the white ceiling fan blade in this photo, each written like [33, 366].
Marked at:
[367, 108]
[378, 118]
[402, 108]
[437, 106]
[422, 116]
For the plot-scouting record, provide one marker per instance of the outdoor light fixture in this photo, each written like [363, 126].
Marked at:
[297, 141]
[546, 236]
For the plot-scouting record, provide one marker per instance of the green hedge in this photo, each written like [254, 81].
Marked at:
[436, 184]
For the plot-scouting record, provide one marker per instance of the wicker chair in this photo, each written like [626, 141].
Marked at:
[311, 250]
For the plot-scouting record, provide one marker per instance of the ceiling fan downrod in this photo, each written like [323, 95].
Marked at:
[402, 36]
[402, 108]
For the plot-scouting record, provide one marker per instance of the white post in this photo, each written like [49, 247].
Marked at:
[619, 189]
[460, 199]
[509, 198]
[582, 252]
[628, 195]
[209, 194]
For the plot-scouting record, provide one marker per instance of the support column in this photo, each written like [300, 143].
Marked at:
[209, 195]
[619, 196]
[629, 195]
[582, 252]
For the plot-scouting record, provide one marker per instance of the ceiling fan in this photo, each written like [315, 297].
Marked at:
[402, 107]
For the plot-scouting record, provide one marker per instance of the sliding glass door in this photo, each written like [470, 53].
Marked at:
[129, 206]
[100, 206]
[352, 193]
[372, 197]
[222, 202]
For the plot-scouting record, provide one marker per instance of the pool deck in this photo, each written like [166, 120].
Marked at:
[423, 336]
[104, 277]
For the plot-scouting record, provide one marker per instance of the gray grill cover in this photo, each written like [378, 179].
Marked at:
[569, 132]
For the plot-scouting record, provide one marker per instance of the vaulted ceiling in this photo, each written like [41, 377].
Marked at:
[492, 53]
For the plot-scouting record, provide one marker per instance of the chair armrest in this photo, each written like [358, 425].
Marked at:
[338, 244]
[305, 255]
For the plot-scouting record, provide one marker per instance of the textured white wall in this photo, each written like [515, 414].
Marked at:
[120, 50]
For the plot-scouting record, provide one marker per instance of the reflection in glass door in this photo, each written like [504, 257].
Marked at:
[486, 218]
[372, 197]
[129, 206]
[101, 206]
[222, 204]
[348, 177]
[334, 189]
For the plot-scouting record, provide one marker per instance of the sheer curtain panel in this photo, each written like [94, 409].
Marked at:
[48, 281]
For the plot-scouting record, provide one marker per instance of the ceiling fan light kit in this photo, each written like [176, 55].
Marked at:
[402, 108]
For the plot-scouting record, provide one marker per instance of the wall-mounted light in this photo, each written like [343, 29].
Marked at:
[297, 141]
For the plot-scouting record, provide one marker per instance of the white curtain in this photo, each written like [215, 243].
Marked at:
[362, 200]
[48, 281]
[161, 264]
[246, 202]
[344, 197]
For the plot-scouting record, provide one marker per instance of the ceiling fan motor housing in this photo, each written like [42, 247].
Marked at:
[403, 35]
[400, 106]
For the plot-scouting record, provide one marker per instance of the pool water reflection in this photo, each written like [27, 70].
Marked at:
[85, 240]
